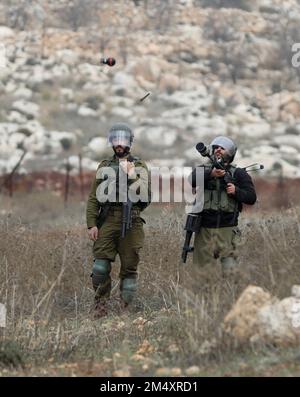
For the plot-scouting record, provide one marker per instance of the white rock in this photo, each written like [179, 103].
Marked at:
[61, 70]
[6, 32]
[124, 80]
[293, 140]
[90, 72]
[26, 107]
[16, 138]
[257, 316]
[67, 93]
[148, 68]
[33, 127]
[158, 136]
[121, 112]
[16, 117]
[67, 56]
[39, 74]
[8, 128]
[23, 92]
[242, 322]
[10, 87]
[296, 291]
[85, 111]
[169, 82]
[120, 101]
[71, 107]
[98, 145]
[86, 163]
[264, 150]
[8, 163]
[255, 130]
[289, 150]
[280, 322]
[61, 135]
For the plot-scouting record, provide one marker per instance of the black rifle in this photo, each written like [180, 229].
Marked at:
[126, 217]
[193, 225]
[126, 210]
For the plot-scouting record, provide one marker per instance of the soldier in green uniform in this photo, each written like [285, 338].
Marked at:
[111, 188]
[223, 200]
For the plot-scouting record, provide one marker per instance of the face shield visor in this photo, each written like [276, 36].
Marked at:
[120, 138]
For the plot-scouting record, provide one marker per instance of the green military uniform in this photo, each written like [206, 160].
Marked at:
[219, 235]
[109, 242]
[217, 242]
[211, 243]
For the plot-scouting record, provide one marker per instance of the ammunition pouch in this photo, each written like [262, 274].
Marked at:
[215, 194]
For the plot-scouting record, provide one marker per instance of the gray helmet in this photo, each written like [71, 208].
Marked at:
[227, 144]
[120, 134]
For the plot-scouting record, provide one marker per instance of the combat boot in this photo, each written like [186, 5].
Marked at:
[100, 309]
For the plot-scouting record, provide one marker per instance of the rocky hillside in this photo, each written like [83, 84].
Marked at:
[210, 70]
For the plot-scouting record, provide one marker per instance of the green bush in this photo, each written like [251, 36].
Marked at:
[10, 355]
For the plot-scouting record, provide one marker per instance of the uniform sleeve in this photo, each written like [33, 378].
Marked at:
[93, 205]
[245, 190]
[145, 182]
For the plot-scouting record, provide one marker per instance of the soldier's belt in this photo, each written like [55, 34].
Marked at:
[118, 209]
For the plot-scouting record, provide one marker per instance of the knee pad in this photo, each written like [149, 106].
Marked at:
[228, 263]
[128, 289]
[101, 272]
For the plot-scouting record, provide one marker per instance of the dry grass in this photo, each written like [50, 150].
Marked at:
[45, 267]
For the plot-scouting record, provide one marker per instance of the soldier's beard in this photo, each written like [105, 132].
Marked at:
[225, 158]
[121, 153]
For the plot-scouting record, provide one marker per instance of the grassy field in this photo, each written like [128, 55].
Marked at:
[174, 326]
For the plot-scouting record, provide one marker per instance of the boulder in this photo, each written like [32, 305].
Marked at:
[257, 316]
[255, 130]
[279, 323]
[85, 111]
[122, 112]
[67, 56]
[169, 82]
[98, 145]
[24, 93]
[86, 164]
[16, 117]
[29, 109]
[147, 68]
[242, 320]
[6, 32]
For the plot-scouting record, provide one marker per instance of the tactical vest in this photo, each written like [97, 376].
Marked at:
[216, 197]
